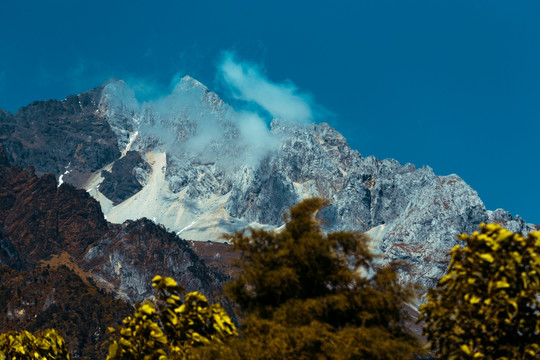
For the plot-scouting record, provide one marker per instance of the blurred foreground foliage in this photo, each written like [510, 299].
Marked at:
[46, 345]
[302, 294]
[169, 328]
[488, 304]
[306, 294]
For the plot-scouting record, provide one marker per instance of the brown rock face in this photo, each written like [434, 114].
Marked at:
[218, 256]
[50, 135]
[128, 256]
[42, 219]
[38, 219]
[80, 220]
[57, 298]
[61, 263]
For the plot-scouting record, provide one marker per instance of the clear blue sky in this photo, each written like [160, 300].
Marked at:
[450, 84]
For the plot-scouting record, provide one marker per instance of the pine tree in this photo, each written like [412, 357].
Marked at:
[306, 294]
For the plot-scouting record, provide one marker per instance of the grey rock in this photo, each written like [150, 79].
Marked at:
[514, 224]
[126, 178]
[222, 173]
[55, 135]
[129, 256]
[120, 107]
[412, 214]
[9, 255]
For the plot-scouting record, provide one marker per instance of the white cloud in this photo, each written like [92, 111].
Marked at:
[281, 100]
[255, 136]
[178, 119]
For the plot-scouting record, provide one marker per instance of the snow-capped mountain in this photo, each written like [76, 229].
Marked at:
[194, 164]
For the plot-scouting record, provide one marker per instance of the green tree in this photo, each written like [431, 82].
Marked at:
[169, 328]
[488, 305]
[46, 345]
[307, 294]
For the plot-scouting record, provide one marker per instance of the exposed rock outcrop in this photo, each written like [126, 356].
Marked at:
[126, 178]
[128, 256]
[70, 137]
[40, 220]
[193, 164]
[56, 297]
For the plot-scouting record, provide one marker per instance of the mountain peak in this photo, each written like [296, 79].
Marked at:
[193, 164]
[192, 81]
[113, 81]
[188, 83]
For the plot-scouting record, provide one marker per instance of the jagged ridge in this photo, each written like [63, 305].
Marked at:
[201, 173]
[59, 255]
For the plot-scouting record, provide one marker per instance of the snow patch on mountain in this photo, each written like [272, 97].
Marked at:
[176, 211]
[92, 187]
[61, 177]
[212, 170]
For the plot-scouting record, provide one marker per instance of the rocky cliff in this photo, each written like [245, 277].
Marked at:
[70, 137]
[56, 248]
[192, 163]
[57, 297]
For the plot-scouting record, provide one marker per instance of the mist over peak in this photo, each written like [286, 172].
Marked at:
[117, 96]
[189, 81]
[247, 82]
[202, 168]
[191, 121]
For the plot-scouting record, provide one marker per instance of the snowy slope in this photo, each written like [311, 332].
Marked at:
[210, 170]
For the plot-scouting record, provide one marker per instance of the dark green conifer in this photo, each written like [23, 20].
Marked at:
[306, 294]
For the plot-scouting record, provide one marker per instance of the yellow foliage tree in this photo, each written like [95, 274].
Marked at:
[46, 345]
[488, 304]
[169, 328]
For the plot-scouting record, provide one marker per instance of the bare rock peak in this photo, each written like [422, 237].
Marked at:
[192, 163]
